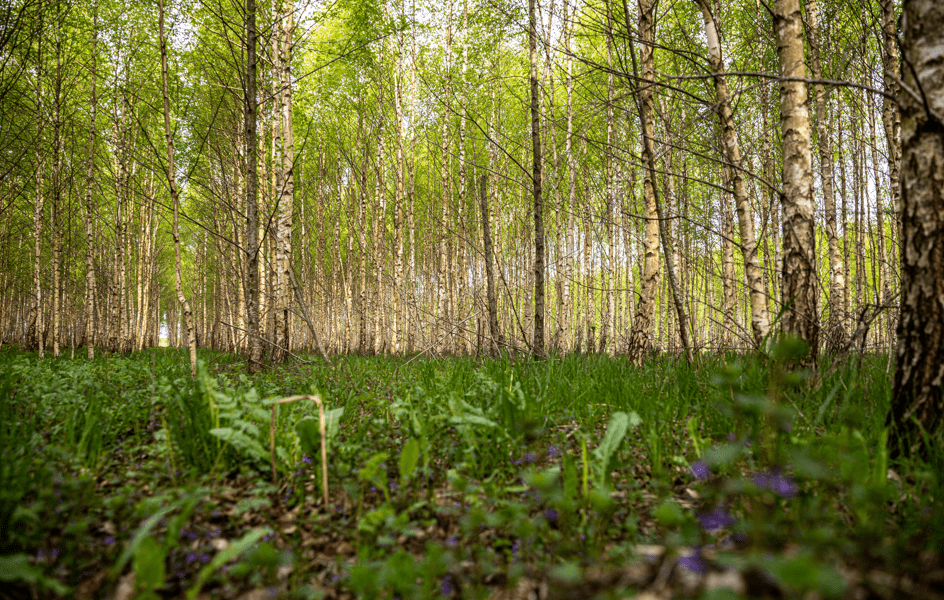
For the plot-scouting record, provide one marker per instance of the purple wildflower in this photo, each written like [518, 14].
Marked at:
[693, 562]
[306, 460]
[716, 519]
[700, 470]
[530, 457]
[785, 487]
[109, 540]
[553, 451]
[551, 514]
[204, 558]
[446, 586]
[453, 541]
[761, 480]
[191, 557]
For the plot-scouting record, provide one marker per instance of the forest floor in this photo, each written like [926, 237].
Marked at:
[577, 477]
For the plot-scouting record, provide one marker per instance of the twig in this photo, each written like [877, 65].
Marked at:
[271, 343]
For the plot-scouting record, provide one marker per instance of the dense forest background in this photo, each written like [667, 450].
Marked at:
[380, 197]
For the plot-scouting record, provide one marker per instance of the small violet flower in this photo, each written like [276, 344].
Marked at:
[700, 470]
[553, 451]
[551, 514]
[783, 486]
[446, 586]
[716, 519]
[694, 562]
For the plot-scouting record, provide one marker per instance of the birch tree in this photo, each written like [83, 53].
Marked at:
[175, 197]
[917, 404]
[800, 288]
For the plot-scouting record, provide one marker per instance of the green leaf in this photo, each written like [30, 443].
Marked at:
[409, 458]
[669, 514]
[333, 422]
[567, 573]
[724, 454]
[570, 477]
[620, 423]
[149, 570]
[231, 552]
[375, 518]
[17, 568]
[309, 436]
[142, 533]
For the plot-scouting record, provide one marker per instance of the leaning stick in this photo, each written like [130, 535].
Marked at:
[324, 446]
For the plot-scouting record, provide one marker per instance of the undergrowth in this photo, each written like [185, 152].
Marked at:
[458, 478]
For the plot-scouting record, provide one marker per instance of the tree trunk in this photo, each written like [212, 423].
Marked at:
[754, 274]
[836, 335]
[252, 217]
[54, 233]
[728, 280]
[800, 286]
[536, 192]
[492, 298]
[569, 319]
[890, 110]
[286, 193]
[175, 199]
[37, 337]
[640, 343]
[919, 377]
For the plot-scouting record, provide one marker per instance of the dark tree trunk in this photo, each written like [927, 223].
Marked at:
[919, 378]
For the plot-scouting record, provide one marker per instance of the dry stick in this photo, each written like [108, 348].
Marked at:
[856, 339]
[324, 446]
[271, 343]
[311, 326]
[425, 350]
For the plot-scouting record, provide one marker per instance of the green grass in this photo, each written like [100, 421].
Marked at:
[456, 477]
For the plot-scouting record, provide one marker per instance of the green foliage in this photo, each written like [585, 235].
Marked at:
[620, 424]
[512, 468]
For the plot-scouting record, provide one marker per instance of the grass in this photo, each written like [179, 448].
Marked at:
[460, 478]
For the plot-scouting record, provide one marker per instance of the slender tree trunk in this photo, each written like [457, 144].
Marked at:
[890, 111]
[537, 194]
[836, 335]
[251, 142]
[286, 193]
[800, 287]
[492, 298]
[121, 191]
[609, 199]
[569, 320]
[917, 404]
[760, 319]
[844, 217]
[640, 343]
[54, 233]
[728, 280]
[37, 338]
[175, 199]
